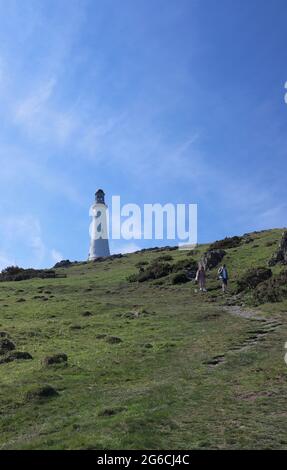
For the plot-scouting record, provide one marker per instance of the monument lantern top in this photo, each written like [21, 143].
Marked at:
[100, 197]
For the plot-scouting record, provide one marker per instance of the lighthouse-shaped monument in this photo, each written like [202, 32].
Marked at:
[99, 245]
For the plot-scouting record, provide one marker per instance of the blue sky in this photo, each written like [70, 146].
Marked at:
[153, 100]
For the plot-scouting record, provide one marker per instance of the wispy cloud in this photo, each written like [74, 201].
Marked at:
[30, 108]
[42, 120]
[56, 256]
[23, 233]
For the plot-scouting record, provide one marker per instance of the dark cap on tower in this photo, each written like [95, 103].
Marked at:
[100, 197]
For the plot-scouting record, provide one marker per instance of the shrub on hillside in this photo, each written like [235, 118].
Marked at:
[11, 270]
[159, 268]
[132, 277]
[228, 242]
[272, 290]
[157, 249]
[252, 277]
[65, 263]
[14, 273]
[141, 263]
[184, 265]
[154, 270]
[163, 258]
[270, 243]
[180, 278]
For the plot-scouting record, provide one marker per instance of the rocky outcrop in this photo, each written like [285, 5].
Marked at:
[41, 392]
[212, 258]
[252, 278]
[280, 256]
[272, 290]
[15, 356]
[60, 358]
[6, 346]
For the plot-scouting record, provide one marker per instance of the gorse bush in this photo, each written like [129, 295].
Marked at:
[14, 273]
[141, 263]
[185, 265]
[252, 277]
[159, 268]
[272, 290]
[180, 278]
[163, 258]
[155, 270]
[11, 271]
[228, 242]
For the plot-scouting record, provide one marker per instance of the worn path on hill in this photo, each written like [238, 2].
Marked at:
[257, 334]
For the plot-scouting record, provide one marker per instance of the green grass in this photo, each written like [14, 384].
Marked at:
[155, 389]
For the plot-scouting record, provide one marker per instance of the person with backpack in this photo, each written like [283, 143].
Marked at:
[223, 276]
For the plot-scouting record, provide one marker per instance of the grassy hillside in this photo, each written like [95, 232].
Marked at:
[150, 364]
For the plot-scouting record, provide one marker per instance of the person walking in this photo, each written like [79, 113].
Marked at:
[201, 278]
[223, 276]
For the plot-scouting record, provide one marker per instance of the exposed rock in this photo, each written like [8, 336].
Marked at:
[75, 327]
[101, 336]
[4, 334]
[110, 411]
[252, 277]
[272, 290]
[6, 345]
[138, 313]
[60, 358]
[87, 314]
[113, 339]
[215, 361]
[46, 391]
[14, 356]
[280, 256]
[212, 258]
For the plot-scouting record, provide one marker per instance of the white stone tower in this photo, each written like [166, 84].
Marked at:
[99, 245]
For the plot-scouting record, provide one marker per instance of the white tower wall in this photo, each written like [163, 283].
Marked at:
[99, 243]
